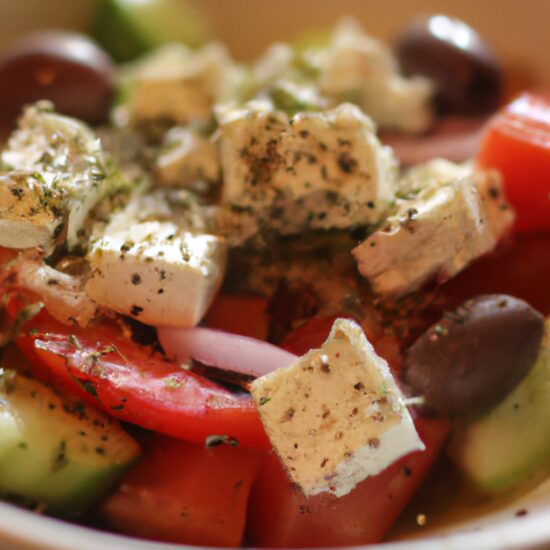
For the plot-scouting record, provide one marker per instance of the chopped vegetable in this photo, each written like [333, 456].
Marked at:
[517, 144]
[185, 493]
[240, 314]
[129, 382]
[511, 443]
[66, 68]
[466, 73]
[224, 350]
[127, 28]
[280, 516]
[521, 268]
[56, 452]
[475, 355]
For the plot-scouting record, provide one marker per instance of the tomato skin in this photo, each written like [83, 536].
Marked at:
[281, 516]
[7, 254]
[239, 314]
[521, 268]
[517, 143]
[108, 371]
[309, 336]
[182, 492]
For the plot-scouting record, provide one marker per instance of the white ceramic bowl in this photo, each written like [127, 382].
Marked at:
[517, 29]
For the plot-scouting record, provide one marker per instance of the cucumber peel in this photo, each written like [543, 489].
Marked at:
[128, 29]
[57, 453]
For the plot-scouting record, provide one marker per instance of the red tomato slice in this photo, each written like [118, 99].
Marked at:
[240, 314]
[521, 269]
[280, 516]
[180, 492]
[309, 336]
[517, 143]
[135, 385]
[7, 254]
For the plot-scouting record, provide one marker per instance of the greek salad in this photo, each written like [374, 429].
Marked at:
[262, 304]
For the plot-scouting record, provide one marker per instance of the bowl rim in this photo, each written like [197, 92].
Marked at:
[28, 530]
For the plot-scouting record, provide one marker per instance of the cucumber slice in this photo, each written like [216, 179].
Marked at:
[54, 451]
[128, 29]
[512, 442]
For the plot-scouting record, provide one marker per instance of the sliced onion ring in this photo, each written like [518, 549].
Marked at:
[453, 139]
[223, 350]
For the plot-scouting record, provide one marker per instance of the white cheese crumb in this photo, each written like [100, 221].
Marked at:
[336, 416]
[187, 160]
[62, 294]
[27, 217]
[437, 231]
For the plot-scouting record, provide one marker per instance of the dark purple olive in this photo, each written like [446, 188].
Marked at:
[467, 75]
[66, 68]
[475, 355]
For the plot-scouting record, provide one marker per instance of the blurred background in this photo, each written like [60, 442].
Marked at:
[517, 29]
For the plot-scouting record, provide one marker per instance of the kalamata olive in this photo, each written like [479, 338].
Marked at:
[67, 68]
[467, 75]
[475, 355]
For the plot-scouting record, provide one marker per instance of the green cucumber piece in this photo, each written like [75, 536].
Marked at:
[128, 29]
[512, 442]
[56, 452]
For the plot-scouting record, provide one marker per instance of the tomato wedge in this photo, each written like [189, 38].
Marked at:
[242, 314]
[517, 143]
[130, 382]
[281, 516]
[521, 269]
[7, 254]
[182, 492]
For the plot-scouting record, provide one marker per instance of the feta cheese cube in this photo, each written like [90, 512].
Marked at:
[314, 171]
[336, 416]
[355, 67]
[187, 160]
[29, 217]
[68, 162]
[153, 269]
[438, 231]
[181, 86]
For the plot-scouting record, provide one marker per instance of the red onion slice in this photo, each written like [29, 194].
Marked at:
[224, 350]
[453, 139]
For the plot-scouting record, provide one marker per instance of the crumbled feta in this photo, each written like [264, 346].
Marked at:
[336, 416]
[444, 224]
[180, 85]
[147, 266]
[188, 160]
[66, 159]
[313, 171]
[355, 67]
[29, 215]
[62, 294]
